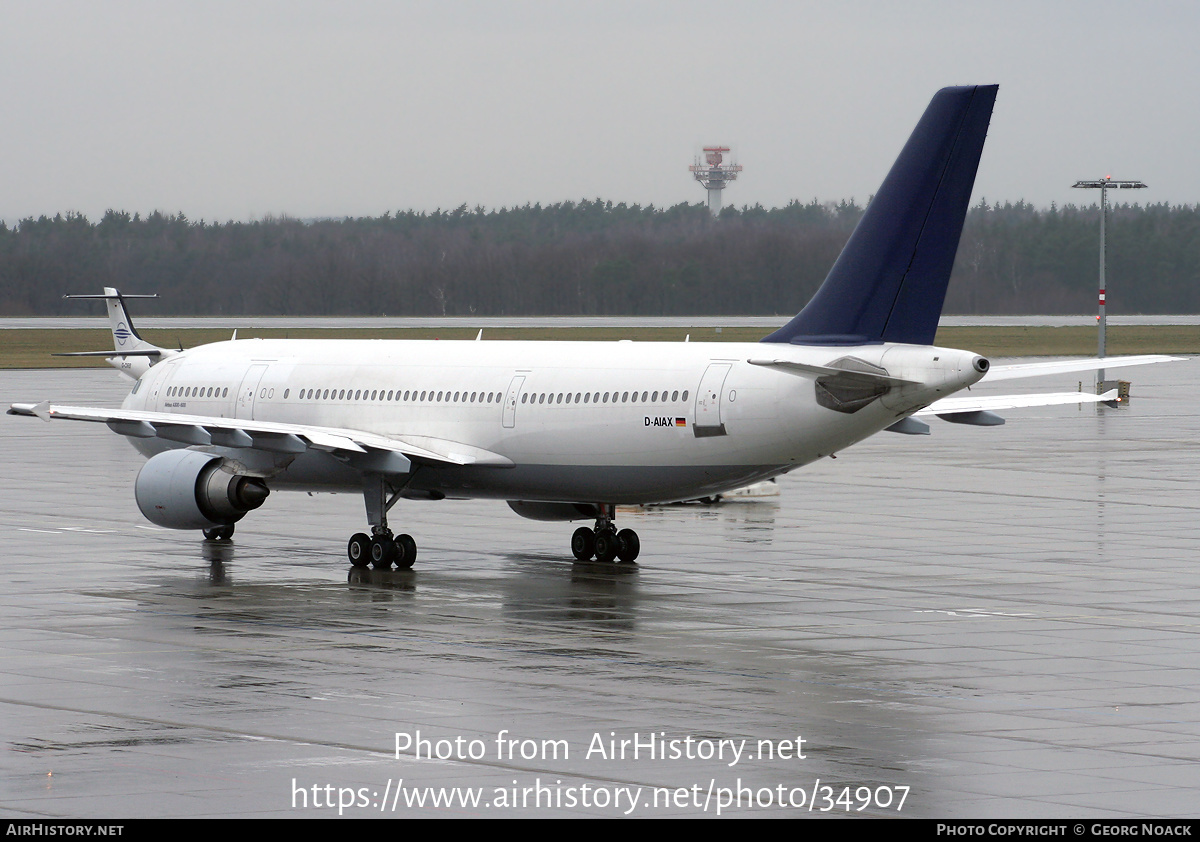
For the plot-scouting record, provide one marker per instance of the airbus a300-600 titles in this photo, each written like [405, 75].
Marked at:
[571, 430]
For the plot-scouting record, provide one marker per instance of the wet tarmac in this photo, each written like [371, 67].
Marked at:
[979, 623]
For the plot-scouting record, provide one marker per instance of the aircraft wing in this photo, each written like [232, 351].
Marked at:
[368, 451]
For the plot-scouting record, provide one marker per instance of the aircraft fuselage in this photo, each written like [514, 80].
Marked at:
[611, 422]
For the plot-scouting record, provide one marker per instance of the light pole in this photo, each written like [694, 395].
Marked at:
[1104, 184]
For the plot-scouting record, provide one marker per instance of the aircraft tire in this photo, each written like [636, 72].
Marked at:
[382, 550]
[219, 533]
[359, 550]
[629, 546]
[583, 544]
[606, 546]
[406, 552]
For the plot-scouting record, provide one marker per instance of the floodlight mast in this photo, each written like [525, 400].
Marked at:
[714, 175]
[1104, 184]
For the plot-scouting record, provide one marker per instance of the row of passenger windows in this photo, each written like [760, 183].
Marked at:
[411, 394]
[607, 397]
[443, 396]
[488, 397]
[197, 392]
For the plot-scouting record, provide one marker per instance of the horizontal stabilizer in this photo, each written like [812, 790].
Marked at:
[993, 403]
[909, 427]
[975, 418]
[145, 352]
[1016, 371]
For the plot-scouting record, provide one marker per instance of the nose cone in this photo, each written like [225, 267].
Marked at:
[250, 493]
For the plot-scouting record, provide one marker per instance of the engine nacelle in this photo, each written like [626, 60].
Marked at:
[554, 511]
[186, 489]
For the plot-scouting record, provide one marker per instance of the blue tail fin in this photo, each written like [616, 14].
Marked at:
[889, 282]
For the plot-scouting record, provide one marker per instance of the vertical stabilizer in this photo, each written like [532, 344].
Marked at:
[889, 282]
[124, 335]
[131, 355]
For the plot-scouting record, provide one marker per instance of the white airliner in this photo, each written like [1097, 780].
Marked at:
[570, 430]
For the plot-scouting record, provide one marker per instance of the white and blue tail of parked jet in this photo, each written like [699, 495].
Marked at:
[889, 282]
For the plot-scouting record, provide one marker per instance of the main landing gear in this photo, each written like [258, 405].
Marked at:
[381, 548]
[604, 542]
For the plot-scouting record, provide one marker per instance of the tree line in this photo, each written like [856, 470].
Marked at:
[583, 258]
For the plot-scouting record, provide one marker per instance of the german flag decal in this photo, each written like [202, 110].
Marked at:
[680, 422]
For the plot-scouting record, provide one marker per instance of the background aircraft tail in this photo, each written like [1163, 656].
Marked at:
[124, 334]
[131, 355]
[889, 283]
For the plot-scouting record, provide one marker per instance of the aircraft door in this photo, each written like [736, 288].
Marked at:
[708, 401]
[158, 400]
[245, 399]
[510, 400]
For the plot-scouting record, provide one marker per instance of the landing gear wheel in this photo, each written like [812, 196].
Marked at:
[382, 550]
[606, 546]
[583, 543]
[219, 533]
[359, 550]
[406, 552]
[628, 545]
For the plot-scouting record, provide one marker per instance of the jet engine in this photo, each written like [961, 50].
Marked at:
[186, 489]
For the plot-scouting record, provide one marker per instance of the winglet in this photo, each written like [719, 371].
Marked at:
[889, 283]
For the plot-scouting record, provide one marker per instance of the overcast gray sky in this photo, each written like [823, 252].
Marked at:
[235, 110]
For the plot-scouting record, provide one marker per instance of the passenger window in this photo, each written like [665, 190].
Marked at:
[675, 395]
[685, 394]
[285, 393]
